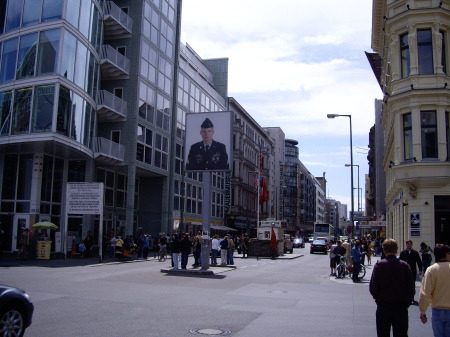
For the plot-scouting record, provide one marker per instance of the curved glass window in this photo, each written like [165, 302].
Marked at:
[52, 10]
[8, 60]
[68, 56]
[48, 51]
[43, 102]
[63, 113]
[31, 12]
[95, 27]
[87, 119]
[85, 11]
[73, 12]
[34, 11]
[27, 56]
[74, 115]
[5, 112]
[14, 12]
[81, 63]
[77, 117]
[21, 111]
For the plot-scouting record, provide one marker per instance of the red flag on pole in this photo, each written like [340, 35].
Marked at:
[273, 240]
[263, 194]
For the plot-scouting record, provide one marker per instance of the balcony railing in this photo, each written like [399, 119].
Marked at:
[117, 24]
[108, 152]
[113, 64]
[110, 108]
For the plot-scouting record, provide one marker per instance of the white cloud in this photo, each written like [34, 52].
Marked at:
[291, 62]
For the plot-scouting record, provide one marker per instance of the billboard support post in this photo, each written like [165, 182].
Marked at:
[206, 218]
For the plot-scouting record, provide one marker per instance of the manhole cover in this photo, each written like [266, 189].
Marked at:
[277, 291]
[210, 332]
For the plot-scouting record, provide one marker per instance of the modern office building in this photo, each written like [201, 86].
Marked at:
[97, 91]
[411, 39]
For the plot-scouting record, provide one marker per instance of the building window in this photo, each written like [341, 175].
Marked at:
[146, 102]
[5, 112]
[149, 61]
[407, 136]
[48, 52]
[26, 56]
[161, 151]
[425, 51]
[8, 60]
[144, 145]
[428, 134]
[42, 116]
[404, 52]
[21, 111]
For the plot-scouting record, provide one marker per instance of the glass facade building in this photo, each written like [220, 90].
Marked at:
[97, 91]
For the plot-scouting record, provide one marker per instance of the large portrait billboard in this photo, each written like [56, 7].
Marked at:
[208, 144]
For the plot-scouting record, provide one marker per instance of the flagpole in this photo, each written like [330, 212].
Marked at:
[259, 184]
[257, 201]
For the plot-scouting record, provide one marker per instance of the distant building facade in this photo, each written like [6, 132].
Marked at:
[248, 139]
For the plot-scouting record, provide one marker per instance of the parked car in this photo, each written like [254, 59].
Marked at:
[311, 238]
[318, 246]
[16, 311]
[298, 243]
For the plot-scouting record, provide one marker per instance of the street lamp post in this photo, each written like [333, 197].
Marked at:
[351, 164]
[359, 207]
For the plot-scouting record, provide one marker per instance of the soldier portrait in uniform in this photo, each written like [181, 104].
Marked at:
[207, 154]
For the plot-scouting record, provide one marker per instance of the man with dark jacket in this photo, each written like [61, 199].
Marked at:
[393, 291]
[185, 248]
[223, 251]
[412, 257]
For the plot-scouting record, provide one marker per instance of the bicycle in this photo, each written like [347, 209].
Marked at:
[343, 269]
[162, 253]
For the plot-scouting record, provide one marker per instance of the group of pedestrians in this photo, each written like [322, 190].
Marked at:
[392, 286]
[180, 247]
[138, 247]
[226, 246]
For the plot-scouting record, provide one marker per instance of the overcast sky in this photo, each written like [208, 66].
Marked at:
[292, 62]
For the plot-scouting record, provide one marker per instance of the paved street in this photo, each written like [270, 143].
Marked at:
[294, 296]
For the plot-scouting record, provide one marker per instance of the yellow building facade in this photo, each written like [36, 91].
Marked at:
[411, 62]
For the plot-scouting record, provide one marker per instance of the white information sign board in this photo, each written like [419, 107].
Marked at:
[84, 198]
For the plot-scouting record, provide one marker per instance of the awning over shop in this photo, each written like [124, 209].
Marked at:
[222, 228]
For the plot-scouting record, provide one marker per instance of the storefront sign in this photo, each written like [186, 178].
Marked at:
[84, 198]
[227, 206]
[415, 223]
